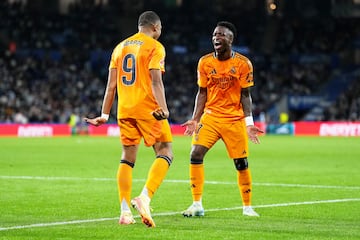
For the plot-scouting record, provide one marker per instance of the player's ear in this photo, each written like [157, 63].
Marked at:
[154, 27]
[231, 38]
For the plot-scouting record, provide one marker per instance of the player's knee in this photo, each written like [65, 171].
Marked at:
[195, 155]
[241, 163]
[198, 152]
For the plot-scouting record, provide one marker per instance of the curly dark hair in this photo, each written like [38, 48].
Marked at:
[229, 26]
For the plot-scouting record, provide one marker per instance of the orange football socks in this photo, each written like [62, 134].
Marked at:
[124, 182]
[197, 181]
[244, 183]
[156, 175]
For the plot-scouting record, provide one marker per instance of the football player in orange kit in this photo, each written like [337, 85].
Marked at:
[223, 110]
[135, 71]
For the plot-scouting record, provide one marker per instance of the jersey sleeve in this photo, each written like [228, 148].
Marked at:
[202, 78]
[247, 76]
[158, 58]
[114, 58]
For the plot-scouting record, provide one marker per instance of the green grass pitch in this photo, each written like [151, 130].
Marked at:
[65, 188]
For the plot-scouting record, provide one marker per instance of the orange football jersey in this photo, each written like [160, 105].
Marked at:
[224, 81]
[133, 58]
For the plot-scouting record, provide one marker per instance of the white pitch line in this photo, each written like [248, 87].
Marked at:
[55, 178]
[306, 185]
[56, 223]
[37, 225]
[178, 181]
[290, 204]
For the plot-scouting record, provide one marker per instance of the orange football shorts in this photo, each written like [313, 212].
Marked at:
[233, 134]
[151, 130]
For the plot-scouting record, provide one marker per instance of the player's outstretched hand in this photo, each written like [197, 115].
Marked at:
[253, 132]
[160, 114]
[190, 127]
[95, 121]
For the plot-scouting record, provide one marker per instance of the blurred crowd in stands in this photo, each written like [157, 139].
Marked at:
[54, 65]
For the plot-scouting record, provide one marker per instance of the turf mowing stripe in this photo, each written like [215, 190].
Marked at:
[175, 213]
[176, 181]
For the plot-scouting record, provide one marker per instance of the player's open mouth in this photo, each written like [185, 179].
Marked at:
[217, 45]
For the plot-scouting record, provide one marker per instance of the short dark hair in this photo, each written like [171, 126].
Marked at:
[148, 18]
[229, 26]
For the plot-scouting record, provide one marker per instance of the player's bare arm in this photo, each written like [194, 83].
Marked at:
[200, 101]
[109, 97]
[159, 93]
[246, 102]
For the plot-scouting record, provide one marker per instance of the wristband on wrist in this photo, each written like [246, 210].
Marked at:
[105, 116]
[249, 121]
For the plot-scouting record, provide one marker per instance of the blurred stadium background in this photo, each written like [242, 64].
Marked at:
[54, 55]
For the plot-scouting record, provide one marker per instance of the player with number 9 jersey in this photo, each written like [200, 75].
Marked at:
[133, 58]
[135, 74]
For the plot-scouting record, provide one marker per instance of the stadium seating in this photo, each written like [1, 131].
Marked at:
[53, 65]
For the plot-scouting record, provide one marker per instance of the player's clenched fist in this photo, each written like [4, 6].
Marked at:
[160, 114]
[95, 121]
